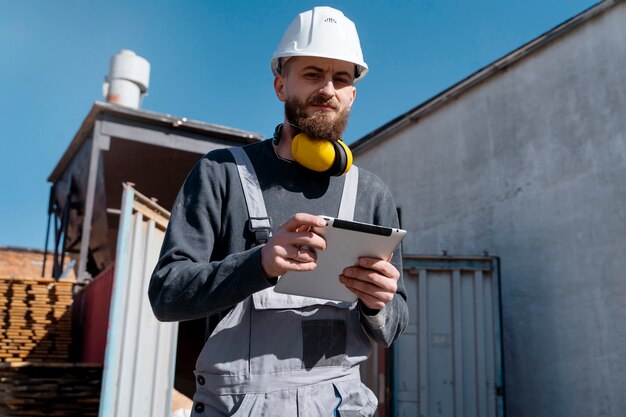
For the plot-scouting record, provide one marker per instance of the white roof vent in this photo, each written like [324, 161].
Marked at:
[128, 79]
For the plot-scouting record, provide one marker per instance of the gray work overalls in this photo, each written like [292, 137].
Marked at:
[284, 355]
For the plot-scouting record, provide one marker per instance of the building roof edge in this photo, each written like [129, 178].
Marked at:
[412, 116]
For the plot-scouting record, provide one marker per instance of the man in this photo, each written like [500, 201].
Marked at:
[274, 354]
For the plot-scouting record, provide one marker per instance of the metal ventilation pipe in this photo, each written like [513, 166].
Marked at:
[128, 79]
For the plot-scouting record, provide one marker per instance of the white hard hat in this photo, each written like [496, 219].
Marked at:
[322, 32]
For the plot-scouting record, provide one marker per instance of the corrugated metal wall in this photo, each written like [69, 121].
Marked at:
[448, 362]
[92, 309]
[140, 352]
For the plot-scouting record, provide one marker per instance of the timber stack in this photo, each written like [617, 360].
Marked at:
[36, 321]
[49, 389]
[37, 376]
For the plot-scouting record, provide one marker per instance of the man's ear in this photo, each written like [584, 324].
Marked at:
[353, 98]
[279, 88]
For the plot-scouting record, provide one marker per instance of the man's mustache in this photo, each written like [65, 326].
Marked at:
[317, 101]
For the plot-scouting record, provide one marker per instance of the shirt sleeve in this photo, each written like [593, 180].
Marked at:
[192, 279]
[386, 325]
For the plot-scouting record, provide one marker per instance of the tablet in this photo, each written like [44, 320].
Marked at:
[346, 242]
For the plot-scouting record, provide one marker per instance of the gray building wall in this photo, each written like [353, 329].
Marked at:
[531, 166]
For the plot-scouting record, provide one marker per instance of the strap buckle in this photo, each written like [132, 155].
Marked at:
[262, 229]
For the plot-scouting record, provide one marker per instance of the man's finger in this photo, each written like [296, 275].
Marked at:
[293, 265]
[302, 254]
[310, 239]
[371, 277]
[373, 296]
[384, 267]
[303, 219]
[384, 293]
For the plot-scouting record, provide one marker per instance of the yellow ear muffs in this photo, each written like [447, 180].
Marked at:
[328, 156]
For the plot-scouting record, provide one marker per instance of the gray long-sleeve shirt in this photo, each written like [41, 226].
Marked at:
[207, 263]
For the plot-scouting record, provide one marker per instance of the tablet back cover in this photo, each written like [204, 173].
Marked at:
[344, 248]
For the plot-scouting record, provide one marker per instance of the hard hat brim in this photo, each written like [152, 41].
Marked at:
[279, 61]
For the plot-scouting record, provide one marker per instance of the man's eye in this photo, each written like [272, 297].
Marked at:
[343, 81]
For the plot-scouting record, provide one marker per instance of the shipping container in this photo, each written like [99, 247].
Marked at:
[91, 317]
[448, 363]
[140, 351]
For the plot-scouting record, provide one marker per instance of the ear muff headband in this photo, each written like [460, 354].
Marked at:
[331, 157]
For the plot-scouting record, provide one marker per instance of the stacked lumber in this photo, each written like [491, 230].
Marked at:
[49, 389]
[35, 320]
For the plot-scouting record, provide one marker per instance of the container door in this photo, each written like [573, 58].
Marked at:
[449, 361]
[140, 352]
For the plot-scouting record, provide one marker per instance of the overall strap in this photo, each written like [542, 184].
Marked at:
[348, 197]
[259, 223]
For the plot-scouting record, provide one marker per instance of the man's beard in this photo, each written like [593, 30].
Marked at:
[319, 125]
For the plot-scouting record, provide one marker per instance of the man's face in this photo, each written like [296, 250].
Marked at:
[318, 94]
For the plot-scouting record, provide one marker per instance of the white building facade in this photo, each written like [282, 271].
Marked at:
[526, 160]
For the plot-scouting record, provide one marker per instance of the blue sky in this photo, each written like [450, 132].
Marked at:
[210, 62]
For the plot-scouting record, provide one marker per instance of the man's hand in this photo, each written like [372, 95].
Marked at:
[292, 246]
[374, 281]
